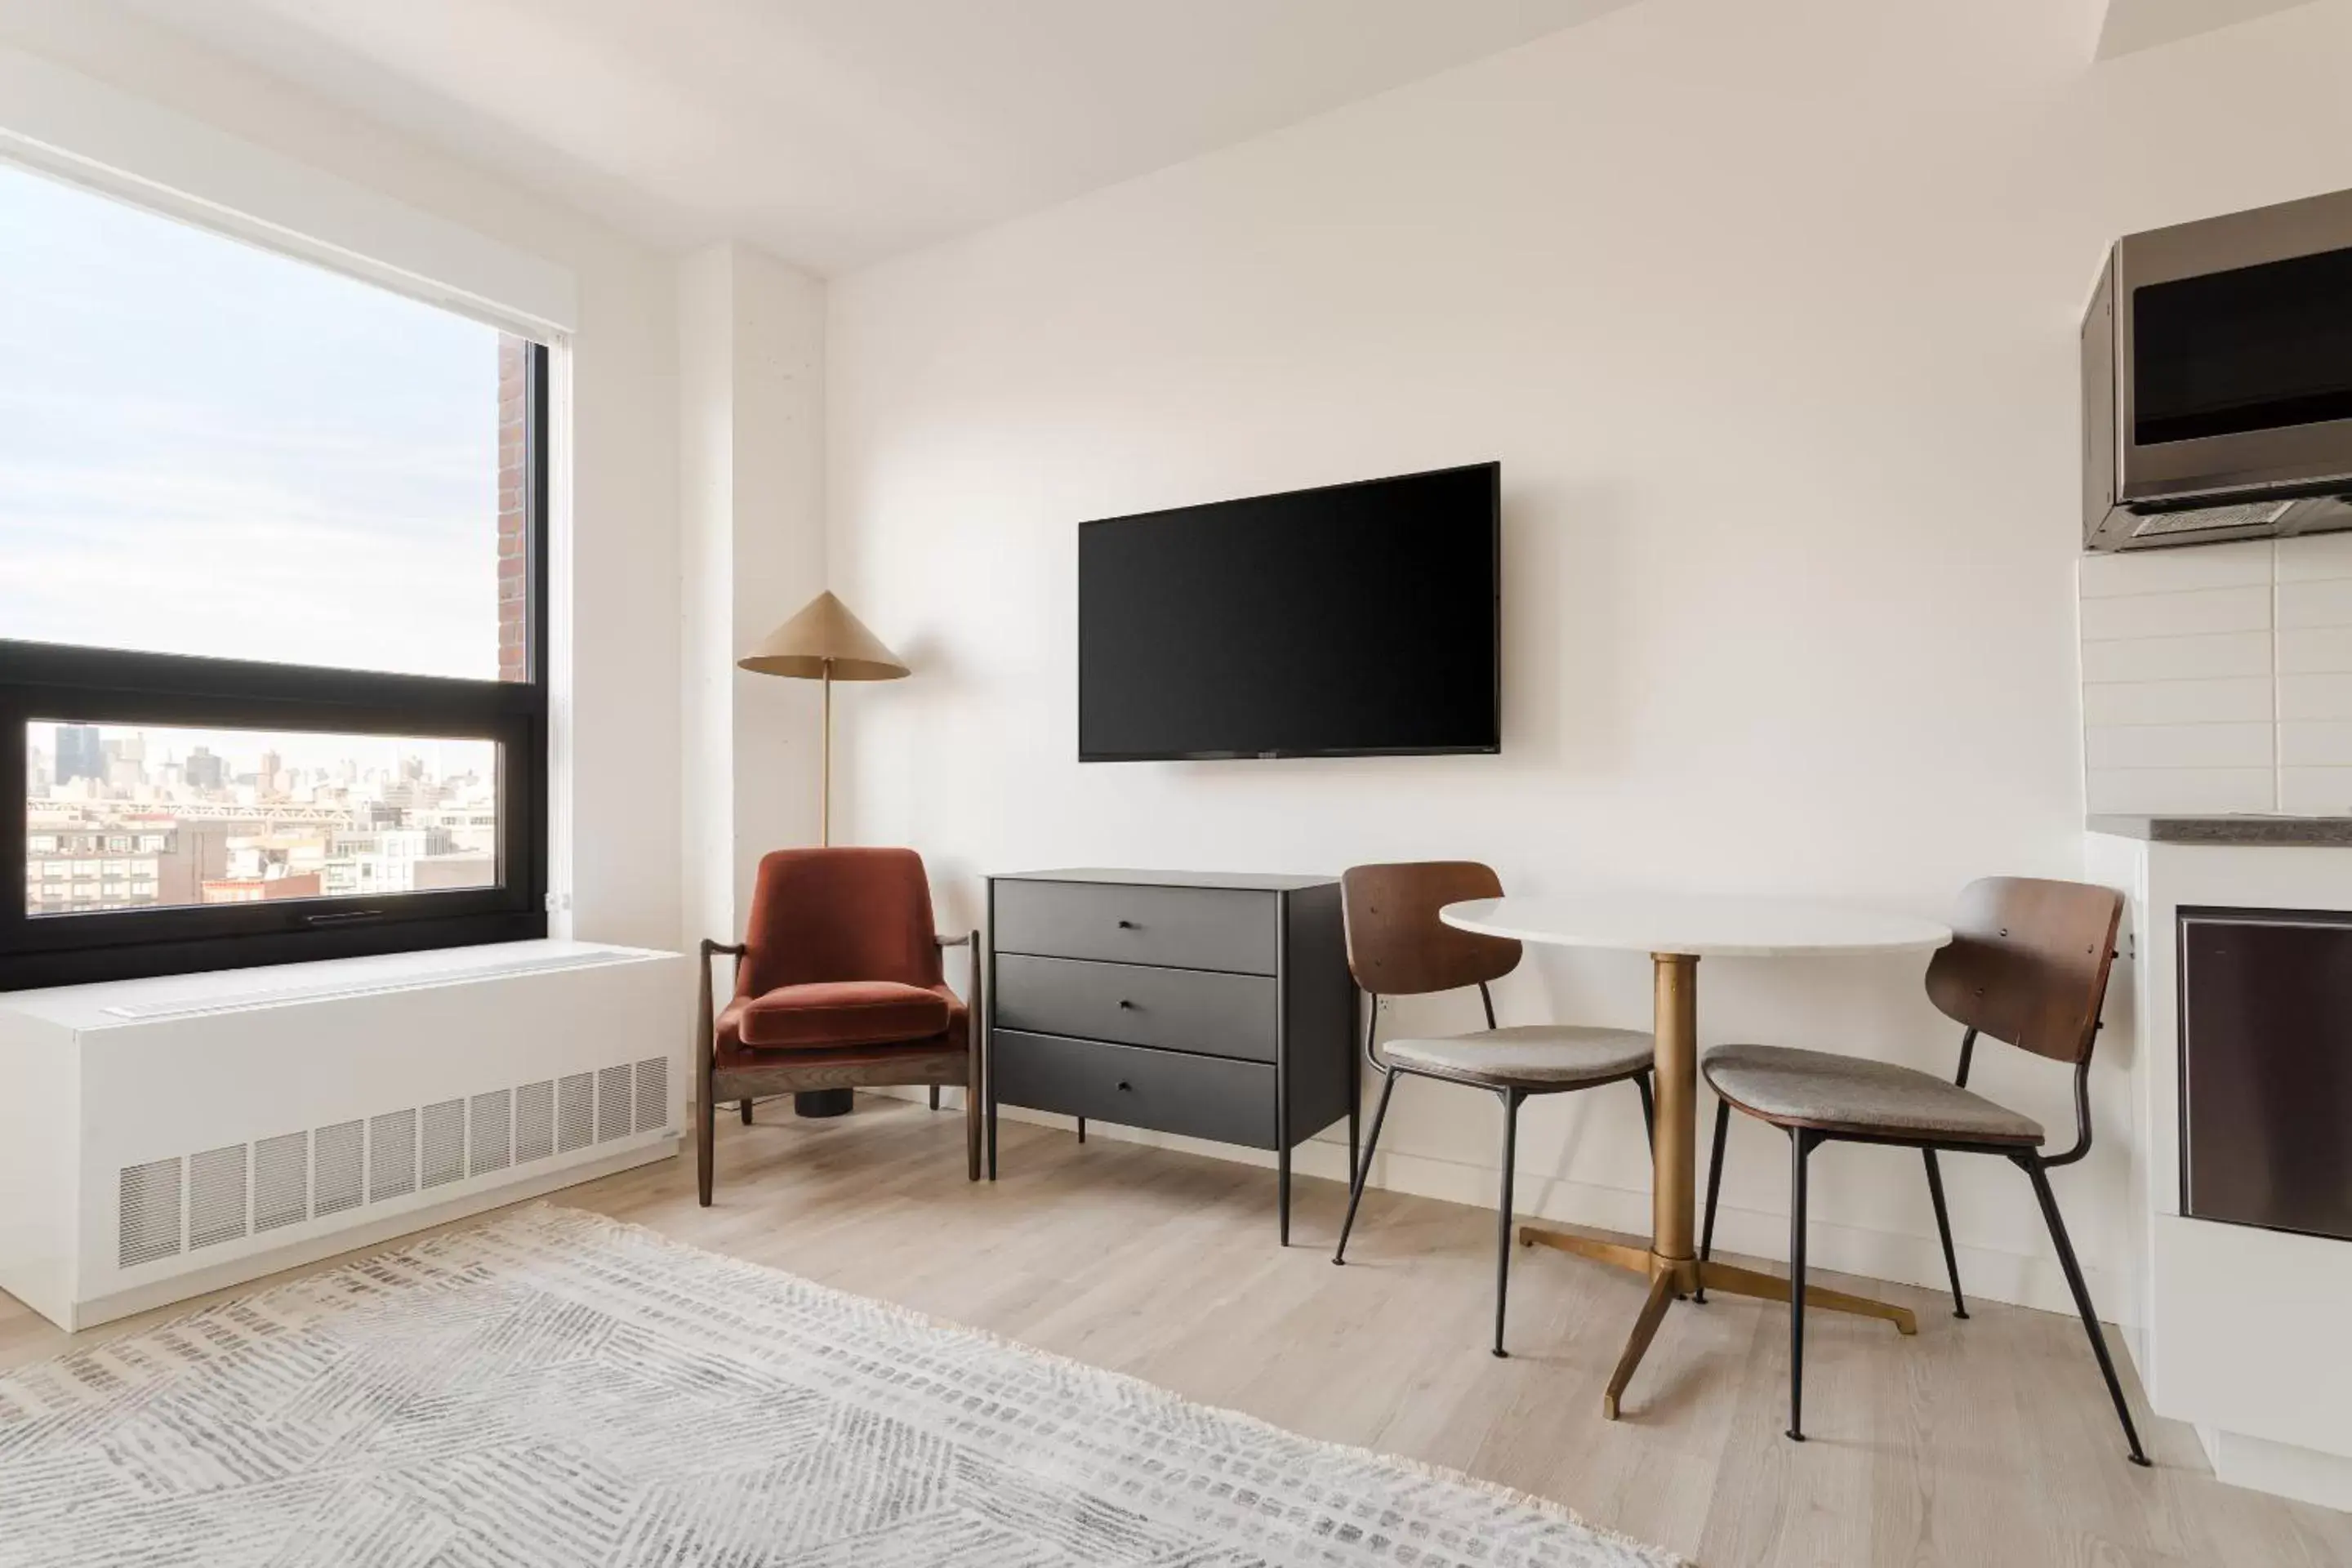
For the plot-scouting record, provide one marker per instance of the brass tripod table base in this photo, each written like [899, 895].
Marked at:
[1671, 1279]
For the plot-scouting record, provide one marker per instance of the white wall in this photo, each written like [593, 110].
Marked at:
[620, 722]
[1769, 314]
[751, 489]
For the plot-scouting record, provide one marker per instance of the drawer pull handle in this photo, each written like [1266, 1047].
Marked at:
[1126, 925]
[1124, 1086]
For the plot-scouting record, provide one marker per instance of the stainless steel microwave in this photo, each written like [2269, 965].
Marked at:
[2217, 380]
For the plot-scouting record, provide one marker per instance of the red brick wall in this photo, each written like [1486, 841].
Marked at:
[512, 657]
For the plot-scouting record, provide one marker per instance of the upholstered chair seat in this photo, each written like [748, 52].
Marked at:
[1822, 1089]
[833, 1012]
[1532, 1056]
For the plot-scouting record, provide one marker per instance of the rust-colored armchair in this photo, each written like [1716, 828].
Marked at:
[838, 983]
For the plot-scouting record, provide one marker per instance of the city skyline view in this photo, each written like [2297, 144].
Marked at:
[146, 816]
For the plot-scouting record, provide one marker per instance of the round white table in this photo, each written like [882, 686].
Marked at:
[1676, 930]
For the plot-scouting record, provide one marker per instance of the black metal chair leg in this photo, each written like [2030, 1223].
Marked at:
[1364, 1167]
[1944, 1229]
[1511, 1099]
[1801, 1146]
[1648, 1113]
[1713, 1187]
[2034, 1170]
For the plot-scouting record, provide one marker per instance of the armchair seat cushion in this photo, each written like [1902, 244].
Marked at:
[826, 1014]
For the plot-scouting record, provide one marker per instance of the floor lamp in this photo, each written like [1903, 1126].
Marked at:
[823, 642]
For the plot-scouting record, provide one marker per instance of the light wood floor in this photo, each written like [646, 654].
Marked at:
[1988, 1442]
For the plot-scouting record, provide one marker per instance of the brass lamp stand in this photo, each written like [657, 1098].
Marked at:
[823, 642]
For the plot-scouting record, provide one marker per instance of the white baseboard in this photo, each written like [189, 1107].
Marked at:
[2282, 1469]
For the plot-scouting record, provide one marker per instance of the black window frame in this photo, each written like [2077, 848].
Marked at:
[109, 686]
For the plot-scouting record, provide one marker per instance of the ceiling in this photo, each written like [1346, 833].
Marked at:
[835, 132]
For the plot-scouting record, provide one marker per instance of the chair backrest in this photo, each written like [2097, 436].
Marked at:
[1396, 944]
[2028, 963]
[839, 914]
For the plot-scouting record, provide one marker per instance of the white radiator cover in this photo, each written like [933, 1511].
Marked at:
[164, 1138]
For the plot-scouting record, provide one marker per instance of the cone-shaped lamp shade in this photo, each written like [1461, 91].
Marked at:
[824, 633]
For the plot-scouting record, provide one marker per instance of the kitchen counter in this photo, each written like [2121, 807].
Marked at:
[2245, 828]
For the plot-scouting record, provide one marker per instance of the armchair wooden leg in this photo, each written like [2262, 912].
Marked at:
[705, 1125]
[935, 1097]
[971, 1132]
[744, 1106]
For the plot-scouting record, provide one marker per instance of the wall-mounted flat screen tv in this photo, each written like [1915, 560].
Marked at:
[1353, 620]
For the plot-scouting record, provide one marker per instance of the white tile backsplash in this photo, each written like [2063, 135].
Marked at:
[2250, 701]
[2315, 696]
[2316, 743]
[2219, 678]
[2184, 790]
[2316, 792]
[2215, 657]
[2315, 556]
[2181, 746]
[2326, 602]
[2245, 564]
[2302, 650]
[2241, 609]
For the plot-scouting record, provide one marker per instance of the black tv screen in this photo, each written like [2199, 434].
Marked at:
[1353, 620]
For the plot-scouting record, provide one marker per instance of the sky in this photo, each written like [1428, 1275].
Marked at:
[209, 448]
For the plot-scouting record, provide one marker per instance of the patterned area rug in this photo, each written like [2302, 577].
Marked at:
[555, 1388]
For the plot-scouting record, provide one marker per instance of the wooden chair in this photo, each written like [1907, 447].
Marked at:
[1397, 947]
[838, 983]
[2027, 964]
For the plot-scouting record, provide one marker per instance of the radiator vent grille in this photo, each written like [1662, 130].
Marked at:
[612, 1104]
[213, 1196]
[216, 1196]
[653, 1093]
[281, 1181]
[490, 1131]
[335, 1158]
[392, 1156]
[575, 1112]
[444, 1125]
[150, 1219]
[535, 1120]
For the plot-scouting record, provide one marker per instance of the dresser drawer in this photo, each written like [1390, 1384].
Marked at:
[1166, 1091]
[1177, 1009]
[1180, 928]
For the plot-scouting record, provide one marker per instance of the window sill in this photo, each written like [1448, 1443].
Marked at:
[112, 1004]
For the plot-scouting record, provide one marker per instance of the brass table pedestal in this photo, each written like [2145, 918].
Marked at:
[1671, 1260]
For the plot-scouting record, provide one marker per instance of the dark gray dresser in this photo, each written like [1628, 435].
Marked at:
[1216, 1006]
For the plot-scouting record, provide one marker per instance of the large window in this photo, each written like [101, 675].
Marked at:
[271, 584]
